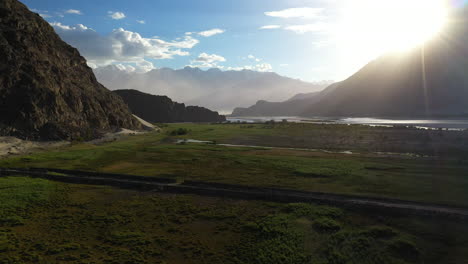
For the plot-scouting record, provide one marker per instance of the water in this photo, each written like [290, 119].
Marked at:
[450, 124]
[181, 141]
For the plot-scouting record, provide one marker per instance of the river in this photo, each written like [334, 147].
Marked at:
[451, 124]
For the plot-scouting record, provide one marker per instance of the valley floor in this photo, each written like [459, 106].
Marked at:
[49, 222]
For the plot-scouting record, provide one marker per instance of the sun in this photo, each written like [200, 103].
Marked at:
[370, 28]
[393, 25]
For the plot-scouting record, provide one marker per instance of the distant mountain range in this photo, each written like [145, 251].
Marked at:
[213, 88]
[428, 81]
[46, 89]
[295, 106]
[161, 109]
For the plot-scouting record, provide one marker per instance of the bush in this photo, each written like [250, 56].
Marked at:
[382, 232]
[307, 210]
[179, 132]
[404, 249]
[326, 225]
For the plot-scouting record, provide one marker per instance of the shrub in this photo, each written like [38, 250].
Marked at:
[324, 224]
[313, 211]
[404, 249]
[179, 132]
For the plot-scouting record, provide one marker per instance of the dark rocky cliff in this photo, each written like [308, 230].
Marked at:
[46, 89]
[161, 109]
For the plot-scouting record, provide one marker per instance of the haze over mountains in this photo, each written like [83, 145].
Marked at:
[47, 91]
[428, 81]
[213, 88]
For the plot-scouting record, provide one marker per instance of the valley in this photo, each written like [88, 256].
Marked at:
[146, 226]
[143, 169]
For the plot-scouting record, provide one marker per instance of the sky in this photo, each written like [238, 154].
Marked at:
[309, 40]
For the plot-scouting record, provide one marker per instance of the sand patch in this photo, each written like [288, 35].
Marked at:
[15, 146]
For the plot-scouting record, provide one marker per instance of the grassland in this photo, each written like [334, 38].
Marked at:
[439, 179]
[50, 222]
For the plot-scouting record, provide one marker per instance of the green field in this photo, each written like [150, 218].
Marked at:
[49, 222]
[441, 179]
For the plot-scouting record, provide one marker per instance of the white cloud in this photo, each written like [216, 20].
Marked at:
[116, 15]
[141, 22]
[122, 46]
[284, 65]
[142, 66]
[78, 27]
[211, 32]
[205, 60]
[302, 12]
[125, 67]
[252, 57]
[262, 67]
[270, 27]
[205, 57]
[73, 11]
[301, 29]
[42, 13]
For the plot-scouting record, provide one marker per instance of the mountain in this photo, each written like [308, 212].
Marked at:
[213, 88]
[428, 81]
[46, 89]
[161, 109]
[294, 106]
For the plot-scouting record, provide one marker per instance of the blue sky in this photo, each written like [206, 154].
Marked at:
[290, 37]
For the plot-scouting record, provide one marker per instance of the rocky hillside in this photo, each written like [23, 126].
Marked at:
[161, 109]
[46, 89]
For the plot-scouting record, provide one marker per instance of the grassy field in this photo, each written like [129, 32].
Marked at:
[439, 180]
[49, 222]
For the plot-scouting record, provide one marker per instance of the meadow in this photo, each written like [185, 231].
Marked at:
[50, 222]
[43, 221]
[436, 179]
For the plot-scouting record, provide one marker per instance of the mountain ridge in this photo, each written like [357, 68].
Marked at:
[47, 91]
[161, 109]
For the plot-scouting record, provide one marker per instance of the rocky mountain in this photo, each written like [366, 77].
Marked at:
[161, 109]
[46, 89]
[428, 81]
[295, 106]
[213, 88]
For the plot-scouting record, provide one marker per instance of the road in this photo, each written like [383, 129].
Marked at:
[377, 205]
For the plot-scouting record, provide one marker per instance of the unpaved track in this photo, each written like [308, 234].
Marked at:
[377, 205]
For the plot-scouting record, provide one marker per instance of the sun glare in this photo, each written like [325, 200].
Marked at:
[370, 28]
[395, 25]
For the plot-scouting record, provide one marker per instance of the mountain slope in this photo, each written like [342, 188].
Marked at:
[295, 106]
[214, 89]
[46, 89]
[161, 109]
[429, 81]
